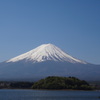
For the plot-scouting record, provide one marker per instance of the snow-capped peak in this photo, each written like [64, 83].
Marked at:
[46, 52]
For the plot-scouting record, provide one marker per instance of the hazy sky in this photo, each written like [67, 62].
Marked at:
[72, 25]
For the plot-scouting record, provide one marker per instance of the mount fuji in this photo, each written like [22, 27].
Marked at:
[46, 60]
[46, 52]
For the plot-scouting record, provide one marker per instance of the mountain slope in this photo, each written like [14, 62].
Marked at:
[46, 52]
[46, 60]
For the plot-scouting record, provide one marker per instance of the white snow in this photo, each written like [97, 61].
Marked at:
[46, 52]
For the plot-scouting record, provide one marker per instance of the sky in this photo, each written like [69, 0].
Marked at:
[72, 25]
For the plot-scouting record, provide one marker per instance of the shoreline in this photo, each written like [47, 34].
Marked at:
[45, 89]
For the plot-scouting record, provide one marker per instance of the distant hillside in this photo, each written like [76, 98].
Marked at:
[54, 82]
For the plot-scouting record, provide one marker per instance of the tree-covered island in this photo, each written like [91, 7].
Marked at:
[58, 83]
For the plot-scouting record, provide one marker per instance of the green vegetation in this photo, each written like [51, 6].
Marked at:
[21, 85]
[16, 85]
[54, 82]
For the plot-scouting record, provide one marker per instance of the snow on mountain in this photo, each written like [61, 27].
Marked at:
[46, 52]
[47, 60]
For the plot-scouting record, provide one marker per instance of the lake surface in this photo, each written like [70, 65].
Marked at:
[13, 94]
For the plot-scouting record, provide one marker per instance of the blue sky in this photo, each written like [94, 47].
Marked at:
[72, 25]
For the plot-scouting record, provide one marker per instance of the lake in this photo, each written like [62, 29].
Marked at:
[14, 94]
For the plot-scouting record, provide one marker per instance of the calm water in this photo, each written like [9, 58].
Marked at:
[48, 95]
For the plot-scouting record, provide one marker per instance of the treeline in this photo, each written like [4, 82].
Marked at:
[54, 82]
[16, 85]
[51, 82]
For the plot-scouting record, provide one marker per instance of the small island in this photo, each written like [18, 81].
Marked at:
[58, 83]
